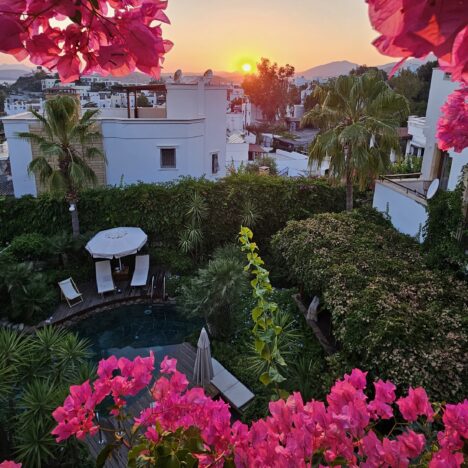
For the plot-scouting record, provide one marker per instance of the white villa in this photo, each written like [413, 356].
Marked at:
[186, 136]
[404, 199]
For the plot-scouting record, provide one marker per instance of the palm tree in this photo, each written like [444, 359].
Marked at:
[66, 147]
[358, 118]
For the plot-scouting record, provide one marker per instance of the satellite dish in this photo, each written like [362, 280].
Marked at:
[208, 75]
[178, 76]
[432, 190]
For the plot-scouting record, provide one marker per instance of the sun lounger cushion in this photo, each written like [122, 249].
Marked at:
[140, 275]
[233, 390]
[224, 380]
[239, 395]
[104, 280]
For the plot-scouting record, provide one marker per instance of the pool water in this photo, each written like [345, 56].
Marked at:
[134, 330]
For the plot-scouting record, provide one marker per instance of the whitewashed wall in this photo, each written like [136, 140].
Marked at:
[406, 214]
[23, 183]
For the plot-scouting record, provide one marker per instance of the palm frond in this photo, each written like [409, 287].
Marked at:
[41, 168]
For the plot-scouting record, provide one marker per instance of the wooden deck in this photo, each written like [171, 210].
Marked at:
[185, 354]
[92, 300]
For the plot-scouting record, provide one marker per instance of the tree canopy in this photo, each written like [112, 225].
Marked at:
[269, 88]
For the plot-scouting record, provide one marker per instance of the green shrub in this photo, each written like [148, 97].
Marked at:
[391, 315]
[444, 229]
[265, 161]
[29, 296]
[30, 246]
[160, 209]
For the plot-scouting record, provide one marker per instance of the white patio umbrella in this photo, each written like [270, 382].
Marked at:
[117, 243]
[203, 369]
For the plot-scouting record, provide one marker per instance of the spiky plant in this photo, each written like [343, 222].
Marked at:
[358, 118]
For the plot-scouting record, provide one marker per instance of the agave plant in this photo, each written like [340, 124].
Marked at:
[191, 238]
[35, 374]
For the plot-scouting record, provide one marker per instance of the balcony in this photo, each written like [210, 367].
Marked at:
[408, 184]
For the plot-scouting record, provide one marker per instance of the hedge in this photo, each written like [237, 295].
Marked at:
[160, 209]
[391, 315]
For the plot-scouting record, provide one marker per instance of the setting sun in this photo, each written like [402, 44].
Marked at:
[246, 67]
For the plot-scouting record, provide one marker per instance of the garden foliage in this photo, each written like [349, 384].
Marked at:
[161, 209]
[390, 314]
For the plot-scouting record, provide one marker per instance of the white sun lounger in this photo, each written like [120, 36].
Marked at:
[70, 292]
[237, 394]
[140, 275]
[104, 280]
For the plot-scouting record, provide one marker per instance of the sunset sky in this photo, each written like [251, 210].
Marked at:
[224, 34]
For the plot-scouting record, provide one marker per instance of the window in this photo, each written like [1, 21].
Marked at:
[168, 158]
[214, 163]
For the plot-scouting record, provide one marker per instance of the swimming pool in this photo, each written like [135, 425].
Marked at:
[133, 330]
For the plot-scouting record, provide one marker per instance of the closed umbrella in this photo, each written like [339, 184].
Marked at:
[117, 242]
[203, 370]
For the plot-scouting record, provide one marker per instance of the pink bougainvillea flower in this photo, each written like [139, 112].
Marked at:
[168, 366]
[412, 443]
[415, 404]
[414, 28]
[384, 397]
[75, 38]
[292, 435]
[10, 464]
[446, 459]
[452, 128]
[357, 379]
[11, 37]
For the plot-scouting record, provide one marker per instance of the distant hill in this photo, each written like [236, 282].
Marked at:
[411, 64]
[328, 70]
[13, 72]
[343, 67]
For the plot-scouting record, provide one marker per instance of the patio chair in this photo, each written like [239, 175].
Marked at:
[140, 275]
[70, 292]
[104, 280]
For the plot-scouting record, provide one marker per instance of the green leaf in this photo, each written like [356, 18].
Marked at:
[104, 454]
[259, 345]
[265, 379]
[134, 453]
[168, 462]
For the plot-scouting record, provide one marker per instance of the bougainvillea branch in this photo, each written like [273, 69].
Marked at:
[415, 28]
[183, 426]
[79, 37]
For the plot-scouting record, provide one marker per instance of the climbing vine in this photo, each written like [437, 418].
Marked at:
[265, 331]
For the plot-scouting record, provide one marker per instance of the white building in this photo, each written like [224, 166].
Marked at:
[17, 104]
[185, 137]
[48, 83]
[237, 151]
[416, 144]
[404, 199]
